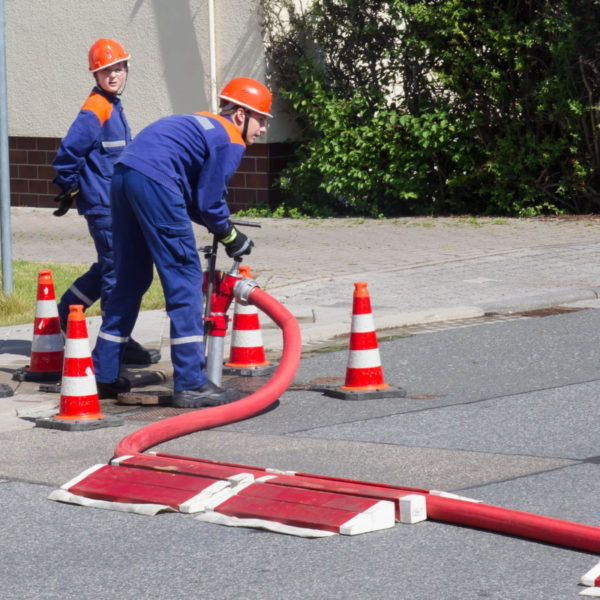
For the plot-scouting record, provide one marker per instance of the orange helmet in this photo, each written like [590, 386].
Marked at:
[248, 93]
[105, 53]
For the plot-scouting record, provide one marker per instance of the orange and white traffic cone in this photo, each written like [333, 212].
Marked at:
[247, 353]
[79, 403]
[47, 346]
[364, 373]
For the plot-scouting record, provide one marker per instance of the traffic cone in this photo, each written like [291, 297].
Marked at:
[247, 354]
[79, 403]
[47, 346]
[364, 374]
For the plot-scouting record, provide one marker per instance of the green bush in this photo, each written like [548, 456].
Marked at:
[454, 106]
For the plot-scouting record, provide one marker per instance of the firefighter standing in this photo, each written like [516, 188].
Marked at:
[84, 167]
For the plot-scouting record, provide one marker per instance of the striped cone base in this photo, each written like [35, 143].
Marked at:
[364, 375]
[247, 354]
[47, 346]
[79, 403]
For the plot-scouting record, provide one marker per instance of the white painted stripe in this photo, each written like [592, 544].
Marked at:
[240, 480]
[360, 523]
[245, 309]
[454, 496]
[279, 471]
[380, 516]
[112, 338]
[87, 301]
[236, 483]
[383, 513]
[362, 323]
[77, 348]
[83, 475]
[139, 509]
[47, 343]
[192, 339]
[219, 519]
[246, 338]
[591, 592]
[79, 386]
[117, 461]
[590, 577]
[198, 502]
[220, 497]
[364, 359]
[46, 309]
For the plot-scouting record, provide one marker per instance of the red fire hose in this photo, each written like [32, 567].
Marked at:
[514, 522]
[174, 427]
[449, 510]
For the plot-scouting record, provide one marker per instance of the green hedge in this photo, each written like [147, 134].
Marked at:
[439, 107]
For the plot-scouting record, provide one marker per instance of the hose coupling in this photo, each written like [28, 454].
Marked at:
[242, 290]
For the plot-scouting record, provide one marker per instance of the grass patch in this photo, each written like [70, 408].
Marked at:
[19, 307]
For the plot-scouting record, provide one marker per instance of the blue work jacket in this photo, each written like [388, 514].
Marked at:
[87, 154]
[193, 156]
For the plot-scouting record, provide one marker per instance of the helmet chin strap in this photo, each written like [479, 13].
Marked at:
[245, 131]
[122, 88]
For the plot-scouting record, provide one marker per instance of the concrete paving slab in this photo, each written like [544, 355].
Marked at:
[567, 492]
[531, 424]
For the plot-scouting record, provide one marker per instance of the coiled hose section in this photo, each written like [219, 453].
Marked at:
[162, 431]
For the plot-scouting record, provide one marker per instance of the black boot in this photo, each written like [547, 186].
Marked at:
[207, 395]
[136, 354]
[112, 390]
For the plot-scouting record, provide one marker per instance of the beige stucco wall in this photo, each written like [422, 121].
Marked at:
[47, 42]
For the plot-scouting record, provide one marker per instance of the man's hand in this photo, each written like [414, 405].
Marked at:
[65, 201]
[236, 243]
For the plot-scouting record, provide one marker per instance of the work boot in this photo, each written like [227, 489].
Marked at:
[136, 354]
[207, 395]
[111, 390]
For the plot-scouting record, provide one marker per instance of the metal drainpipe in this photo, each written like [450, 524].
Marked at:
[212, 54]
[7, 280]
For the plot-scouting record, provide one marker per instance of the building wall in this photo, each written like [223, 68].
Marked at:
[47, 42]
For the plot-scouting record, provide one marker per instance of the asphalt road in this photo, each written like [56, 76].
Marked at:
[505, 412]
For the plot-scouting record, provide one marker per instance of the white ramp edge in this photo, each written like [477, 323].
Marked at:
[381, 515]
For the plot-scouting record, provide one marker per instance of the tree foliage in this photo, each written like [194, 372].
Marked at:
[439, 106]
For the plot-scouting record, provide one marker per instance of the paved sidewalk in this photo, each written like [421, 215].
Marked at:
[418, 270]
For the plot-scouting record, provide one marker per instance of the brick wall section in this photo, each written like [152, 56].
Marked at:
[252, 184]
[31, 173]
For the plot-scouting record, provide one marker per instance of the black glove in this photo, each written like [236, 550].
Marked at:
[236, 243]
[65, 201]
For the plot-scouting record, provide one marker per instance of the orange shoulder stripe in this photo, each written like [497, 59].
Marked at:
[99, 105]
[234, 133]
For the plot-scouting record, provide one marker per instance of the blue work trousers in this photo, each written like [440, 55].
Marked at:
[99, 280]
[151, 226]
